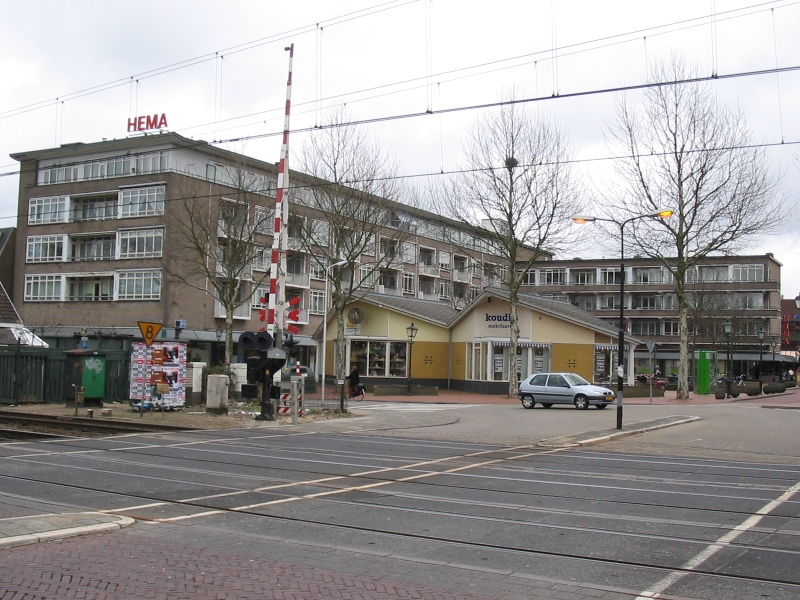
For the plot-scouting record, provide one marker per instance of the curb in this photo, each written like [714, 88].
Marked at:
[574, 441]
[60, 534]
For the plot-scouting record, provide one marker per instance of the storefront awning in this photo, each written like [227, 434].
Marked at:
[524, 344]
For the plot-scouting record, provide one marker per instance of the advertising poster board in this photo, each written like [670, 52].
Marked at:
[162, 366]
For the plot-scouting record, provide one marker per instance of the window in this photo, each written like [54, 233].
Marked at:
[609, 301]
[460, 264]
[409, 252]
[90, 289]
[477, 268]
[371, 359]
[408, 283]
[641, 327]
[670, 302]
[670, 328]
[503, 273]
[261, 258]
[648, 275]
[56, 174]
[529, 278]
[94, 209]
[42, 288]
[444, 289]
[474, 292]
[747, 273]
[318, 268]
[154, 162]
[142, 202]
[752, 300]
[265, 220]
[140, 243]
[320, 233]
[389, 280]
[139, 285]
[583, 277]
[295, 227]
[427, 257]
[317, 302]
[295, 264]
[366, 276]
[647, 302]
[291, 295]
[713, 273]
[388, 247]
[107, 167]
[93, 248]
[45, 248]
[585, 302]
[610, 276]
[444, 259]
[369, 245]
[232, 219]
[47, 210]
[553, 277]
[258, 294]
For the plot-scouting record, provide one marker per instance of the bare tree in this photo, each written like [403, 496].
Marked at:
[686, 152]
[516, 184]
[218, 236]
[363, 227]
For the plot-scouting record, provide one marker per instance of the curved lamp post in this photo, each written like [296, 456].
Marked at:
[411, 331]
[727, 329]
[662, 213]
[341, 263]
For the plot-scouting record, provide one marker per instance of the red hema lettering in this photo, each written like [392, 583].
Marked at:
[149, 122]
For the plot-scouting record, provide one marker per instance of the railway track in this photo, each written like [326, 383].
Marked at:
[32, 423]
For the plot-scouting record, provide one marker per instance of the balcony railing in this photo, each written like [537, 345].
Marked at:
[462, 275]
[429, 270]
[491, 281]
[382, 289]
[427, 296]
[298, 280]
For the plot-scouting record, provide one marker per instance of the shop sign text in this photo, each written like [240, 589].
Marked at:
[147, 122]
[498, 321]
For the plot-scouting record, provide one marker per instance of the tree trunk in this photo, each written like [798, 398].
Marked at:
[228, 337]
[341, 358]
[683, 359]
[512, 349]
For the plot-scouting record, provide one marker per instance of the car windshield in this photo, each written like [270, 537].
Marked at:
[576, 379]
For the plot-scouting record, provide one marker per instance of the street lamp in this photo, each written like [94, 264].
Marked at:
[761, 334]
[661, 213]
[341, 263]
[412, 333]
[774, 343]
[727, 329]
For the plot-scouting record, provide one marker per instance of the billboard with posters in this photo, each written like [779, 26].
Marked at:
[162, 363]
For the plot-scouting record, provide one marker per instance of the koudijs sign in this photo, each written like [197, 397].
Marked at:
[499, 321]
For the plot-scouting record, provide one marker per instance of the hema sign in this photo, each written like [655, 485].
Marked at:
[147, 122]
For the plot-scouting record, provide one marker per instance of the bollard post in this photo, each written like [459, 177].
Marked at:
[78, 397]
[294, 402]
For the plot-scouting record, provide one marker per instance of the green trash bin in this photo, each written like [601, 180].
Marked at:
[705, 362]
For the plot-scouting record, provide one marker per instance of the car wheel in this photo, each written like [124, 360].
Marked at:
[581, 403]
[547, 404]
[600, 406]
[528, 401]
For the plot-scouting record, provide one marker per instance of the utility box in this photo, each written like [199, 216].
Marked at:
[87, 369]
[705, 366]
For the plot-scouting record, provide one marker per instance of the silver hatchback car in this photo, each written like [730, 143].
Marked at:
[563, 388]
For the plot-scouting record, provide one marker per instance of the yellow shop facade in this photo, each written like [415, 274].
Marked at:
[469, 349]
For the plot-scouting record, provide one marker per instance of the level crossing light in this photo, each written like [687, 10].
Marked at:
[661, 213]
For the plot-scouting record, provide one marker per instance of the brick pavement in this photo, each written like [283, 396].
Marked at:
[113, 566]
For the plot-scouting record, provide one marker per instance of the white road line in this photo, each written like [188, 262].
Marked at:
[410, 406]
[660, 586]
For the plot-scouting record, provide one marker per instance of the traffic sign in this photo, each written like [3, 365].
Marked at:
[149, 331]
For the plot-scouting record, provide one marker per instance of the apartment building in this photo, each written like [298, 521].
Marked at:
[744, 289]
[96, 229]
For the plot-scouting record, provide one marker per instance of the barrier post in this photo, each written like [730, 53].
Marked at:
[294, 402]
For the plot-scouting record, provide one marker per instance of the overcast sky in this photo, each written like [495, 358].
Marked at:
[218, 71]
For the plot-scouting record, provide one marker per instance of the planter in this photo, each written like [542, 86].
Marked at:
[734, 392]
[720, 392]
[751, 387]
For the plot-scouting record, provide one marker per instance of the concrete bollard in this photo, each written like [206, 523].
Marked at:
[217, 395]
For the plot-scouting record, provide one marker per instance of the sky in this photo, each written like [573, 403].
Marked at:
[77, 70]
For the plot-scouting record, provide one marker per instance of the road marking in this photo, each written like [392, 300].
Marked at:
[657, 588]
[410, 406]
[374, 485]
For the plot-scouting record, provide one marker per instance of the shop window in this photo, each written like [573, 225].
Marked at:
[371, 359]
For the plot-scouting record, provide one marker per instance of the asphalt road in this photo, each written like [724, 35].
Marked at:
[448, 500]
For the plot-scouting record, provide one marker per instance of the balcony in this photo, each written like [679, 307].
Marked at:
[294, 243]
[299, 280]
[302, 317]
[462, 275]
[382, 289]
[427, 296]
[489, 281]
[431, 270]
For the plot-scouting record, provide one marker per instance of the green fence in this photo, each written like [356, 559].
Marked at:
[40, 377]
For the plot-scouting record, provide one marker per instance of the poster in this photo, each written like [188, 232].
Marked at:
[161, 363]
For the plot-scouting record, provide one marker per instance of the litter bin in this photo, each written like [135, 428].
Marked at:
[87, 369]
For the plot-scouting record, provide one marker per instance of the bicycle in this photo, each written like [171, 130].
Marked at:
[356, 393]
